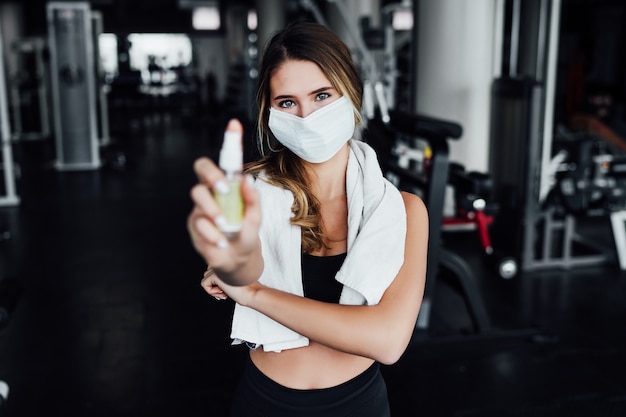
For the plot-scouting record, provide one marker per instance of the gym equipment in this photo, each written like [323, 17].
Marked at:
[10, 197]
[515, 162]
[30, 90]
[618, 223]
[474, 207]
[589, 180]
[430, 184]
[102, 103]
[385, 128]
[521, 131]
[537, 224]
[73, 85]
[374, 95]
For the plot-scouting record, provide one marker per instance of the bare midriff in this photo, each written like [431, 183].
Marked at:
[316, 366]
[311, 367]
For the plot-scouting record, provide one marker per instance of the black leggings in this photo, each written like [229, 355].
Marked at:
[259, 396]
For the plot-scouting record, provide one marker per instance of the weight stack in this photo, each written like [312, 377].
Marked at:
[515, 161]
[72, 74]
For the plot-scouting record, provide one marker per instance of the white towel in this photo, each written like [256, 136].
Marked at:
[376, 237]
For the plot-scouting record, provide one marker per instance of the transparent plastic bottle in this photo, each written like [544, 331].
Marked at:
[231, 162]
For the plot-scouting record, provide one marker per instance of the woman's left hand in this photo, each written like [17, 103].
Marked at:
[211, 286]
[218, 289]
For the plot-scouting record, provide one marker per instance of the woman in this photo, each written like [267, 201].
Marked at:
[328, 270]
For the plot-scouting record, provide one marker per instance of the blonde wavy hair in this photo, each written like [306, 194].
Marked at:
[301, 41]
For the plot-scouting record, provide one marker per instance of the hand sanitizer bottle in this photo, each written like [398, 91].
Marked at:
[231, 162]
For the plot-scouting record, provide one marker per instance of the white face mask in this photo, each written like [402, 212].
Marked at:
[319, 136]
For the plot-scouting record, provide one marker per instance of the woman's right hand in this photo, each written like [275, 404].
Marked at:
[237, 260]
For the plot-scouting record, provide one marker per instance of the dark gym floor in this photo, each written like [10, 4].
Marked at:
[112, 321]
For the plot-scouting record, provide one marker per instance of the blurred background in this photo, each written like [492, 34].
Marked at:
[506, 116]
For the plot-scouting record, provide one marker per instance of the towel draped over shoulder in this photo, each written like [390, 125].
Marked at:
[376, 238]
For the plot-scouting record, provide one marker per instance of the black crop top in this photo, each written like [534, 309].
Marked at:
[318, 277]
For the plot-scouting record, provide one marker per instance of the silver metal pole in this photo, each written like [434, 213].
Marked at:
[541, 40]
[42, 89]
[515, 25]
[103, 107]
[11, 198]
[550, 88]
[498, 34]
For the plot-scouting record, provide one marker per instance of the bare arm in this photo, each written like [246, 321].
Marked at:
[380, 332]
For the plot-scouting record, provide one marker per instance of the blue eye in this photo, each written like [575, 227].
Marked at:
[322, 96]
[286, 104]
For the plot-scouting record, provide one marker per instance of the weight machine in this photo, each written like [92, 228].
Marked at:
[588, 180]
[534, 225]
[30, 90]
[387, 128]
[475, 208]
[430, 185]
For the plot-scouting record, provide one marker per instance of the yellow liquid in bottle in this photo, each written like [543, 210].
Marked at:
[231, 204]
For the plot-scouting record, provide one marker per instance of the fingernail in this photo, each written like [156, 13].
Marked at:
[221, 222]
[221, 187]
[222, 243]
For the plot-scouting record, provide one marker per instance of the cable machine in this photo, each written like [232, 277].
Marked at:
[385, 129]
[537, 229]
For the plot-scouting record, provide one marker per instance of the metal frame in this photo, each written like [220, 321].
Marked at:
[552, 227]
[550, 88]
[372, 85]
[37, 47]
[103, 106]
[89, 80]
[618, 223]
[10, 198]
[534, 215]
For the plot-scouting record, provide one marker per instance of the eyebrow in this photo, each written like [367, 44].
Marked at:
[319, 90]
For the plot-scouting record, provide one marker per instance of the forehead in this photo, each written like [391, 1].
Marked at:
[297, 77]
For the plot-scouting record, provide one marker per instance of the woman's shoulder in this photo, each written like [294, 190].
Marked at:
[414, 206]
